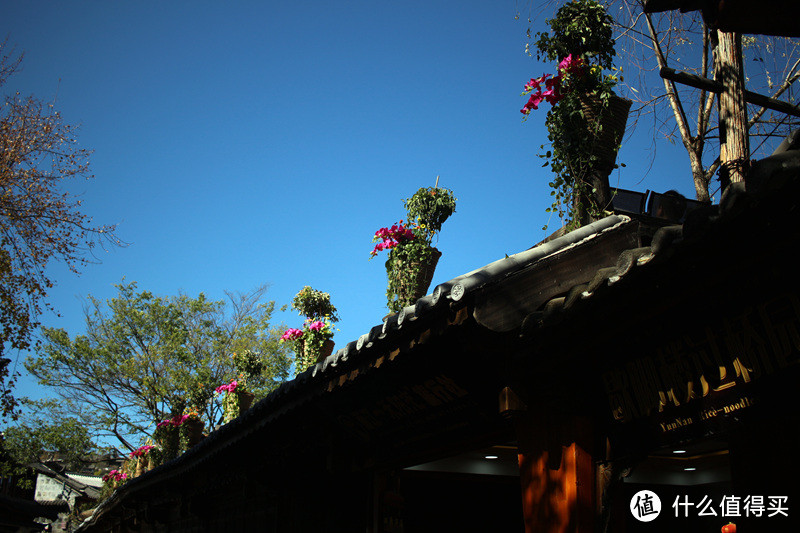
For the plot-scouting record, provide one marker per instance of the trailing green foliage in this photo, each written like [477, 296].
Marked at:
[429, 208]
[314, 304]
[403, 270]
[581, 40]
[582, 28]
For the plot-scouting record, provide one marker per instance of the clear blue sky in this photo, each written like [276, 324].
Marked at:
[241, 143]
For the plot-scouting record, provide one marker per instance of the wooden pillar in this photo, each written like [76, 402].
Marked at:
[387, 503]
[734, 144]
[557, 473]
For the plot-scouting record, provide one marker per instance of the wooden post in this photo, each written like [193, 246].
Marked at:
[557, 474]
[734, 142]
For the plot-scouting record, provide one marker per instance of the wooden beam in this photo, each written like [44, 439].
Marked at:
[699, 82]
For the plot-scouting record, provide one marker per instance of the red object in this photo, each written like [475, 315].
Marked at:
[729, 528]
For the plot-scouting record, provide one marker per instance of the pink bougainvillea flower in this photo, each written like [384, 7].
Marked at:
[529, 86]
[552, 95]
[141, 451]
[533, 102]
[391, 237]
[536, 83]
[316, 326]
[176, 421]
[116, 475]
[230, 387]
[572, 65]
[291, 334]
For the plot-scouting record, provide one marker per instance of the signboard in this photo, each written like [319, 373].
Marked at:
[712, 369]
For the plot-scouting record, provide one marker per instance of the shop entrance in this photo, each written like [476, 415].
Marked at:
[474, 491]
[692, 482]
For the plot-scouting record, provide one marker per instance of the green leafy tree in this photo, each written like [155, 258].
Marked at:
[44, 434]
[145, 358]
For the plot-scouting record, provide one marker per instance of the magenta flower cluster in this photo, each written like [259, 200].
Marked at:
[390, 237]
[552, 85]
[176, 421]
[115, 475]
[291, 334]
[316, 325]
[141, 451]
[230, 387]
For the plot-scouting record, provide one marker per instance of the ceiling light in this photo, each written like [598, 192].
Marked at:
[678, 451]
[689, 469]
[490, 457]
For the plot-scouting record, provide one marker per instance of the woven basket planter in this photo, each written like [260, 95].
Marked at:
[414, 288]
[245, 400]
[612, 125]
[194, 431]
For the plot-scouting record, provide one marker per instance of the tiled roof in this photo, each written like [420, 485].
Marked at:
[86, 485]
[91, 481]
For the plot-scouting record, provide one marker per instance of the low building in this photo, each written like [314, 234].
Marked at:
[634, 370]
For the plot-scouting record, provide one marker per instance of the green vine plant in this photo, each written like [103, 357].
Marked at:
[582, 154]
[404, 268]
[430, 207]
[168, 439]
[188, 420]
[231, 406]
[314, 304]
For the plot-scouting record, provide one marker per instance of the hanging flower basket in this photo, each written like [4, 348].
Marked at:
[427, 266]
[412, 277]
[194, 431]
[245, 400]
[167, 435]
[611, 120]
[412, 258]
[326, 351]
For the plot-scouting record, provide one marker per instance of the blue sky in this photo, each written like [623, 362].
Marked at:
[242, 143]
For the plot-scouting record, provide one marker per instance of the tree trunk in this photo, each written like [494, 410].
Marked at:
[734, 142]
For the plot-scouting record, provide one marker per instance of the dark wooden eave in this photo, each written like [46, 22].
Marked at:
[770, 17]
